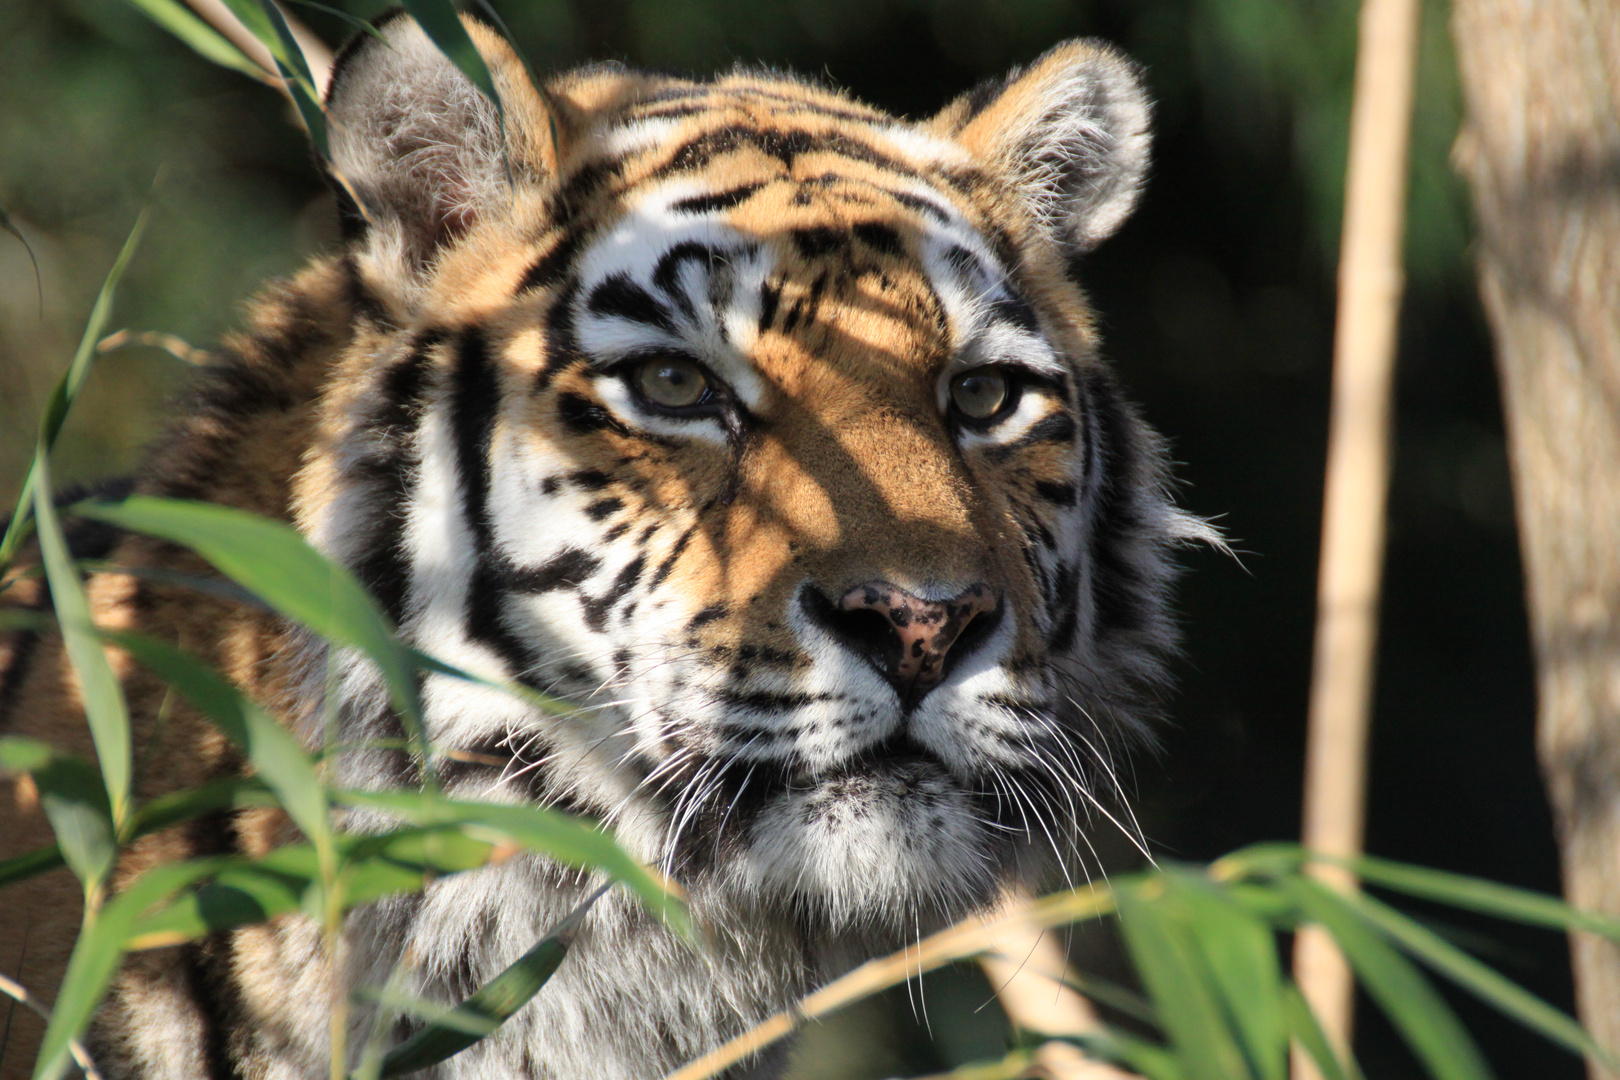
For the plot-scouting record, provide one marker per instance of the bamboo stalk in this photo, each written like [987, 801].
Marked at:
[1036, 988]
[1353, 526]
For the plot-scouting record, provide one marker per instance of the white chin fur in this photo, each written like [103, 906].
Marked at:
[873, 848]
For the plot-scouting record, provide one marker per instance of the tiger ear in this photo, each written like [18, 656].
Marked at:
[1072, 129]
[417, 150]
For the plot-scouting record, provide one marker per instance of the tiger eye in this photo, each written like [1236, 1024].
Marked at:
[980, 394]
[672, 382]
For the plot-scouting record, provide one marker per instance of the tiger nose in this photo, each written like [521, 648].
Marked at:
[914, 635]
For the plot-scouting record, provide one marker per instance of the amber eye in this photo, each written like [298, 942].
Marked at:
[671, 381]
[982, 393]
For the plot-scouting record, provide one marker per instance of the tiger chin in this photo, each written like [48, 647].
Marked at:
[769, 429]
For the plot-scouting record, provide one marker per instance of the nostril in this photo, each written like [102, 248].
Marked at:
[865, 632]
[912, 642]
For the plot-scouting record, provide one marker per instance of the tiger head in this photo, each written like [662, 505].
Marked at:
[769, 430]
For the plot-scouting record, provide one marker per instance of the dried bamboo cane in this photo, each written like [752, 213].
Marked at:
[1370, 283]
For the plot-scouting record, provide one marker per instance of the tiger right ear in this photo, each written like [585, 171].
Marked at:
[419, 147]
[1072, 129]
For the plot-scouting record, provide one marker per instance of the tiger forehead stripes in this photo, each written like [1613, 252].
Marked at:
[767, 428]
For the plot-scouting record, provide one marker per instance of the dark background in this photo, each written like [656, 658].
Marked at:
[1217, 306]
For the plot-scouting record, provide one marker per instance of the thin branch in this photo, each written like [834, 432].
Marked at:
[1370, 284]
[1032, 978]
[17, 992]
[971, 937]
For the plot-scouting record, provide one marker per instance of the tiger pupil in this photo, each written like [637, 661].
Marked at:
[675, 384]
[979, 394]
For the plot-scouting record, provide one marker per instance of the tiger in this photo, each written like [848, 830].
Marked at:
[769, 429]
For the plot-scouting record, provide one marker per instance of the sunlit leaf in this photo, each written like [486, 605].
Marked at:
[74, 799]
[1480, 980]
[563, 837]
[160, 813]
[1502, 901]
[275, 563]
[1171, 971]
[66, 390]
[1302, 1025]
[209, 43]
[97, 955]
[1424, 1020]
[1240, 953]
[492, 1003]
[242, 891]
[270, 748]
[101, 694]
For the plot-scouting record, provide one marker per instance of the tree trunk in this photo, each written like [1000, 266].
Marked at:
[1541, 147]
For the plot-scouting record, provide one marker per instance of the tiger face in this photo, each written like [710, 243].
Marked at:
[770, 431]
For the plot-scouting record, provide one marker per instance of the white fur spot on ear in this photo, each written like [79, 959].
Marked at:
[418, 143]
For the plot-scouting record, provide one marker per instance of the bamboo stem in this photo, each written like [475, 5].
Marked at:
[1370, 283]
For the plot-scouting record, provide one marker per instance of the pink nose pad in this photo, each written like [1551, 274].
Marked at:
[927, 628]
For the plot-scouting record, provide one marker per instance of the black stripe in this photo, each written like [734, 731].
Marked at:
[769, 297]
[666, 274]
[566, 570]
[476, 405]
[601, 508]
[562, 348]
[920, 205]
[785, 146]
[550, 268]
[584, 416]
[723, 200]
[1117, 583]
[1062, 494]
[385, 568]
[668, 562]
[879, 237]
[816, 242]
[620, 297]
[1016, 310]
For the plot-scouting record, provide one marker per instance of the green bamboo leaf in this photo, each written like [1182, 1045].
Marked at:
[243, 891]
[1167, 961]
[160, 813]
[300, 83]
[355, 23]
[440, 21]
[209, 43]
[97, 955]
[275, 563]
[1424, 1020]
[1502, 901]
[75, 802]
[102, 696]
[568, 839]
[66, 390]
[1138, 1055]
[1479, 980]
[270, 748]
[1240, 954]
[490, 1006]
[1303, 1026]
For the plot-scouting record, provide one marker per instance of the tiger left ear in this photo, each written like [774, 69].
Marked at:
[1073, 129]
